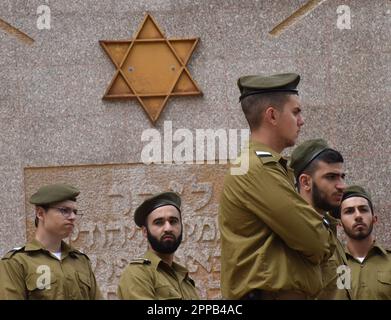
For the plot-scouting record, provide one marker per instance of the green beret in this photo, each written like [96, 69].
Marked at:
[284, 82]
[356, 191]
[305, 153]
[54, 193]
[154, 202]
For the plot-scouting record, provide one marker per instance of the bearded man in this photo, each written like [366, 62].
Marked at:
[156, 275]
[369, 262]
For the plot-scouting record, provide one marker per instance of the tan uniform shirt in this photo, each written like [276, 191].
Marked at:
[271, 239]
[371, 279]
[32, 272]
[330, 290]
[151, 278]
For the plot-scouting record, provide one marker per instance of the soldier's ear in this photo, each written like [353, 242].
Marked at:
[144, 229]
[305, 182]
[374, 219]
[39, 213]
[271, 115]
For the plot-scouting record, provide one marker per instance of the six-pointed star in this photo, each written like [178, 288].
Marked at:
[150, 68]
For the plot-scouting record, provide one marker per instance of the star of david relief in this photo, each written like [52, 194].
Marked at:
[150, 68]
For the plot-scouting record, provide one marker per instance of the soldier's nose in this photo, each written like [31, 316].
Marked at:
[167, 226]
[300, 121]
[358, 216]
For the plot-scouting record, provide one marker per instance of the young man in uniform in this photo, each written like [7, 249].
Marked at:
[156, 275]
[320, 178]
[47, 267]
[272, 241]
[369, 262]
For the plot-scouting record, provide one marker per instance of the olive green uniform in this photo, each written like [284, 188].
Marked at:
[371, 279]
[151, 278]
[330, 290]
[271, 238]
[71, 278]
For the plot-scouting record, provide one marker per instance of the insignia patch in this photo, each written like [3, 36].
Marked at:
[263, 154]
[140, 261]
[326, 223]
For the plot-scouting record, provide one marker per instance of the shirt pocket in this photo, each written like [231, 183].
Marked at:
[41, 287]
[384, 285]
[166, 292]
[84, 284]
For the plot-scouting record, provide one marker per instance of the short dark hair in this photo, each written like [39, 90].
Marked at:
[253, 106]
[329, 156]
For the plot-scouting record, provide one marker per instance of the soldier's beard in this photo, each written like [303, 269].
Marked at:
[164, 246]
[361, 235]
[320, 201]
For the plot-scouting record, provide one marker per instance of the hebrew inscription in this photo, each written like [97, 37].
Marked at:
[110, 194]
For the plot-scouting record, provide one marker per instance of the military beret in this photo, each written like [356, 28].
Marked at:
[305, 153]
[257, 84]
[54, 193]
[154, 202]
[356, 191]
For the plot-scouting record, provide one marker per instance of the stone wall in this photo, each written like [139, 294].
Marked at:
[54, 125]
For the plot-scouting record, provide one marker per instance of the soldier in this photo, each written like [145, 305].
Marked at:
[272, 241]
[369, 262]
[320, 178]
[156, 275]
[47, 267]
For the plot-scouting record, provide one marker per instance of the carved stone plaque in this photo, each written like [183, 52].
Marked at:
[110, 194]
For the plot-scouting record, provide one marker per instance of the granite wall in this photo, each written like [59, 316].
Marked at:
[54, 125]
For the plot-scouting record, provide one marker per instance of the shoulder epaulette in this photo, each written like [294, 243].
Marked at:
[263, 154]
[326, 223]
[140, 261]
[76, 251]
[265, 157]
[10, 253]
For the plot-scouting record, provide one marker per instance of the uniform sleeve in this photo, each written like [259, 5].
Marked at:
[270, 195]
[136, 284]
[12, 284]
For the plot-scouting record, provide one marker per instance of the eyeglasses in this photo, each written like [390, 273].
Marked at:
[67, 212]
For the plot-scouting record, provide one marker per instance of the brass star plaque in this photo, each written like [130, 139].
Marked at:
[150, 68]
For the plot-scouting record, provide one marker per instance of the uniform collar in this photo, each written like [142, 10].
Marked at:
[333, 222]
[35, 245]
[376, 248]
[379, 248]
[331, 219]
[157, 262]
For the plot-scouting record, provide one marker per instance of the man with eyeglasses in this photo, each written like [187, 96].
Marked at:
[47, 268]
